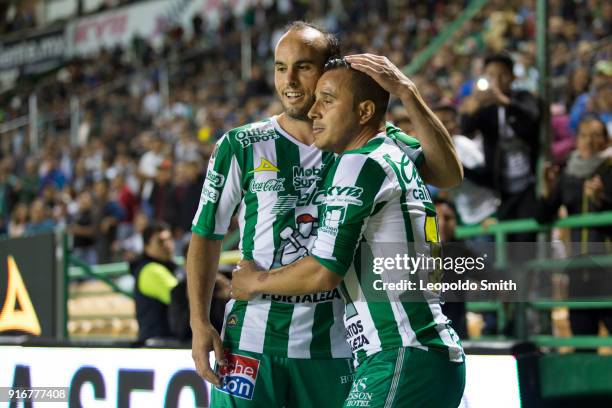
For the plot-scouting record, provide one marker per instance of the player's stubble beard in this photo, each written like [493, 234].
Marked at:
[301, 112]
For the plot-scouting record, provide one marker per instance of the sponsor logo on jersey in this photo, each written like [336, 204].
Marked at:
[305, 177]
[422, 194]
[286, 203]
[407, 172]
[354, 336]
[358, 396]
[215, 179]
[345, 379]
[336, 195]
[209, 194]
[239, 375]
[265, 165]
[267, 185]
[250, 136]
[404, 169]
[320, 297]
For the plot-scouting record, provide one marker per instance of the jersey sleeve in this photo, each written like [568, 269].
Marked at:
[410, 145]
[221, 192]
[354, 188]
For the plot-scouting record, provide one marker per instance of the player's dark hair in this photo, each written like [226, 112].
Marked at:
[152, 229]
[332, 46]
[364, 88]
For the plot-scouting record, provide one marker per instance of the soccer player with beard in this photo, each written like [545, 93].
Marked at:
[282, 351]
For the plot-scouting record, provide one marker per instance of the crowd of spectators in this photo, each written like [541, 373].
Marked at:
[141, 148]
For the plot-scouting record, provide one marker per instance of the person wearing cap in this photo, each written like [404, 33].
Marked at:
[508, 121]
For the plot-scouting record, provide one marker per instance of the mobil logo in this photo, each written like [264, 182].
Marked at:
[238, 377]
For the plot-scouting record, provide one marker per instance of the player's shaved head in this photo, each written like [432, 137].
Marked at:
[316, 36]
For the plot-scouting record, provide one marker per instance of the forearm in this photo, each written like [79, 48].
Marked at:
[299, 278]
[201, 266]
[442, 167]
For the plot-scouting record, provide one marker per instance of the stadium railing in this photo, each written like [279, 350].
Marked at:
[500, 231]
[76, 269]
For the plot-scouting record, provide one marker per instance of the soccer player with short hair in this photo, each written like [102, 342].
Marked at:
[408, 354]
[278, 352]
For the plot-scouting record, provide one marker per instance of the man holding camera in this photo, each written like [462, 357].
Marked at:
[508, 121]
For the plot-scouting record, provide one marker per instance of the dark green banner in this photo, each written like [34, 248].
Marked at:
[28, 286]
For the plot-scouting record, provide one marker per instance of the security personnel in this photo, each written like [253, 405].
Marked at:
[154, 273]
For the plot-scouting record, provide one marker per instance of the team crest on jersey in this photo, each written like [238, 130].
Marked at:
[334, 216]
[239, 375]
[249, 136]
[265, 165]
[232, 321]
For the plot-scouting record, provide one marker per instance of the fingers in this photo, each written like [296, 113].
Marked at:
[203, 368]
[360, 58]
[206, 339]
[219, 354]
[376, 63]
[366, 69]
[209, 375]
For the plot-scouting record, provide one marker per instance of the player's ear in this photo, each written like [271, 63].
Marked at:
[365, 111]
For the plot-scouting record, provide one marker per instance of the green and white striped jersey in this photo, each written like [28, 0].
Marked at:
[375, 199]
[275, 181]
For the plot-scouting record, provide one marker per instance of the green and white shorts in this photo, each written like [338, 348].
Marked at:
[257, 380]
[407, 377]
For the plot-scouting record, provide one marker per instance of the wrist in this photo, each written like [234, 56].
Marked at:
[200, 324]
[257, 283]
[408, 92]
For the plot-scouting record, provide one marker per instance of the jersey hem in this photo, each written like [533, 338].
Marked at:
[272, 351]
[206, 234]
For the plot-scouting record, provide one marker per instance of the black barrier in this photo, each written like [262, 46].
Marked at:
[29, 295]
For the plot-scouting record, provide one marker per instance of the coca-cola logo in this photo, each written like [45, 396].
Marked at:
[267, 185]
